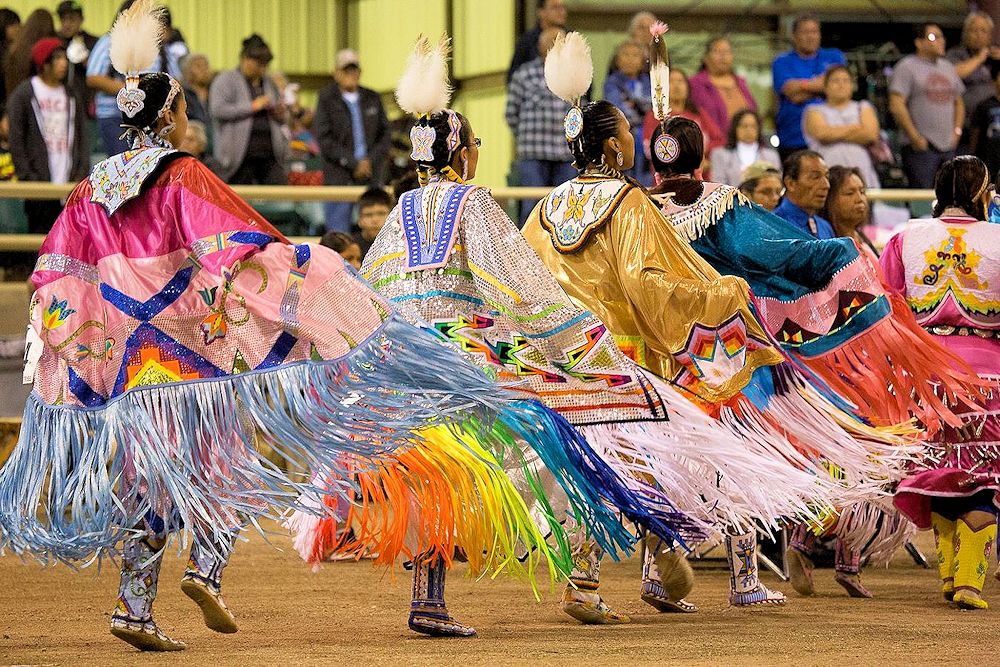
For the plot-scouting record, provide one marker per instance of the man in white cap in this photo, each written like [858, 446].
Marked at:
[353, 135]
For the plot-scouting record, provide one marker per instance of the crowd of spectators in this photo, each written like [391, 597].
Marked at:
[249, 126]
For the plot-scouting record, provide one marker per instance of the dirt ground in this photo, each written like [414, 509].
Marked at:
[350, 613]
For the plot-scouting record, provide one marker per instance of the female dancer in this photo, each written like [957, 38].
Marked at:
[948, 270]
[173, 330]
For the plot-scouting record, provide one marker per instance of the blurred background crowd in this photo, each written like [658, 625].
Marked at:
[876, 100]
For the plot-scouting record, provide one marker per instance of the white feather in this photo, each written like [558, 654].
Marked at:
[569, 69]
[659, 79]
[136, 37]
[423, 88]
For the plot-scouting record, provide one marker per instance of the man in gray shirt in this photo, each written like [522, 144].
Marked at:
[925, 98]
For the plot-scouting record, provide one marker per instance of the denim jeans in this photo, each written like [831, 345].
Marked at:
[922, 166]
[541, 173]
[339, 216]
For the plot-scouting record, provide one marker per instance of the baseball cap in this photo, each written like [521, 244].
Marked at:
[43, 48]
[347, 58]
[69, 7]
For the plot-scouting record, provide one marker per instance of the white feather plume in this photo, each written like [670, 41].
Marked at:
[136, 37]
[423, 89]
[659, 78]
[569, 69]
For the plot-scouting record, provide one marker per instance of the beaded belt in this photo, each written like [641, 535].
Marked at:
[948, 330]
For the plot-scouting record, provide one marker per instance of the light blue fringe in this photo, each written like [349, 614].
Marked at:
[64, 494]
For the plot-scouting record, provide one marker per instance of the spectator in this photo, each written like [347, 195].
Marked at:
[627, 87]
[247, 116]
[847, 206]
[984, 131]
[197, 77]
[102, 77]
[761, 182]
[716, 89]
[78, 43]
[925, 98]
[408, 181]
[798, 79]
[196, 143]
[173, 43]
[10, 27]
[373, 210]
[535, 116]
[551, 14]
[17, 68]
[638, 28]
[343, 245]
[302, 145]
[682, 105]
[744, 147]
[972, 60]
[352, 131]
[48, 139]
[840, 129]
[806, 181]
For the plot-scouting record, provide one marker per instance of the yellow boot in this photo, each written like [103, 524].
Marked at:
[944, 538]
[972, 562]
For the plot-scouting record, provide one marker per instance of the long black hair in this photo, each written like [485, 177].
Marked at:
[600, 123]
[960, 183]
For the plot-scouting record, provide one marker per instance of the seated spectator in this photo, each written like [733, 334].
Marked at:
[102, 77]
[984, 129]
[744, 147]
[374, 206]
[535, 116]
[841, 129]
[761, 183]
[847, 206]
[551, 14]
[627, 87]
[716, 89]
[806, 181]
[18, 65]
[972, 60]
[925, 98]
[197, 73]
[681, 105]
[343, 245]
[48, 139]
[196, 143]
[352, 130]
[797, 77]
[247, 120]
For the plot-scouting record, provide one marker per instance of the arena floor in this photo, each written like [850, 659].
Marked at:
[352, 614]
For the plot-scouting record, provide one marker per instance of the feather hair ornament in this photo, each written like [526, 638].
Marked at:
[423, 89]
[135, 45]
[659, 72]
[569, 71]
[665, 148]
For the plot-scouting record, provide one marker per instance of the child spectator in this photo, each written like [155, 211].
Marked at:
[373, 209]
[344, 246]
[627, 87]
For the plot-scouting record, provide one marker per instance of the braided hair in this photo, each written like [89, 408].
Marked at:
[156, 86]
[600, 123]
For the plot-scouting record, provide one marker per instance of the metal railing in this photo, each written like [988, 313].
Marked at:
[324, 193]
